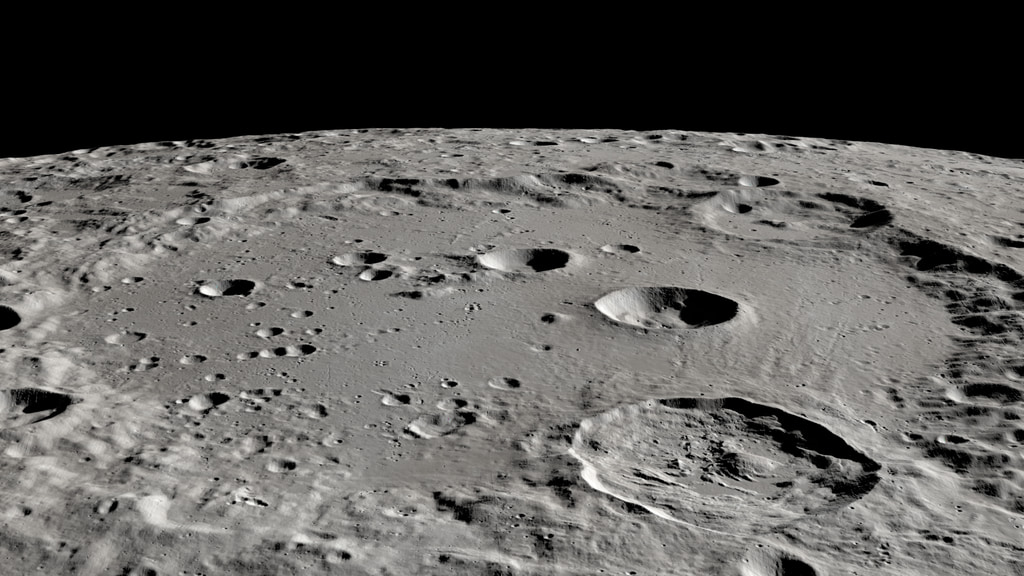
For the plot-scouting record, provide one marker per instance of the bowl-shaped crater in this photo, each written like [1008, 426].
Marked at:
[525, 259]
[215, 288]
[666, 307]
[757, 181]
[364, 258]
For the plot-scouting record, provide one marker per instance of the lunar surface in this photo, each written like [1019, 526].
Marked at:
[515, 352]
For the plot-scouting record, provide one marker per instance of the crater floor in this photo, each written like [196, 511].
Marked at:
[511, 352]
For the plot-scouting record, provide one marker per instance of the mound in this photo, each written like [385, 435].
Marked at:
[726, 465]
[666, 307]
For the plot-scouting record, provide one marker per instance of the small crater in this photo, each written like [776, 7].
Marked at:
[106, 506]
[207, 400]
[316, 411]
[263, 394]
[451, 404]
[145, 364]
[124, 338]
[768, 562]
[22, 406]
[191, 221]
[437, 425]
[269, 332]
[757, 181]
[620, 248]
[287, 351]
[389, 399]
[536, 259]
[504, 383]
[359, 258]
[738, 208]
[280, 465]
[374, 274]
[865, 204]
[667, 307]
[19, 195]
[217, 288]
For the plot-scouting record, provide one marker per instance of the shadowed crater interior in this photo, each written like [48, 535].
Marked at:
[758, 181]
[8, 318]
[21, 406]
[794, 434]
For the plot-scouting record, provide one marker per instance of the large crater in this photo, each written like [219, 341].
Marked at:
[725, 465]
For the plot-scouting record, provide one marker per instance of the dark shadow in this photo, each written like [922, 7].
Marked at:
[8, 318]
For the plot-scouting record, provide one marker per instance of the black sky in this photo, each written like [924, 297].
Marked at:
[874, 96]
